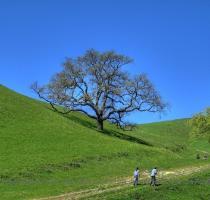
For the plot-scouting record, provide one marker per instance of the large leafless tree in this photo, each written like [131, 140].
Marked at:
[96, 85]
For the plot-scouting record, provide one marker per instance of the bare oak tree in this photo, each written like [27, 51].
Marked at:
[96, 85]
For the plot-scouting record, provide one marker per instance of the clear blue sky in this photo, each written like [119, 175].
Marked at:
[168, 39]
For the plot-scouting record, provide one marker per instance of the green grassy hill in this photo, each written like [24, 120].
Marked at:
[191, 187]
[44, 153]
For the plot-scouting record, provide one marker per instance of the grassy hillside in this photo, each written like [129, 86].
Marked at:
[44, 153]
[191, 187]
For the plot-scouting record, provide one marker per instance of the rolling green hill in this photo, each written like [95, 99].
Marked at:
[44, 153]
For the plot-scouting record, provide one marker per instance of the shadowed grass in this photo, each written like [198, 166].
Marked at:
[124, 136]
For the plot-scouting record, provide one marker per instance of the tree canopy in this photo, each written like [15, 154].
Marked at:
[96, 85]
[200, 123]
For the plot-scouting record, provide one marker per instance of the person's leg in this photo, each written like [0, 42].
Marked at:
[134, 183]
[154, 180]
[151, 180]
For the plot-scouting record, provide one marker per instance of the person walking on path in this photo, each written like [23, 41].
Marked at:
[153, 176]
[136, 177]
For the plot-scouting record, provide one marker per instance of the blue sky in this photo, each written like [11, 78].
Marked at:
[168, 39]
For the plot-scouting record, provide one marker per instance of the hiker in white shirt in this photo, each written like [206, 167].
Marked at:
[136, 177]
[153, 176]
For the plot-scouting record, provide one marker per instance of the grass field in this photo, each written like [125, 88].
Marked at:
[43, 153]
[192, 187]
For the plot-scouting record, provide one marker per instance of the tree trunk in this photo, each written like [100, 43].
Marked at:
[100, 124]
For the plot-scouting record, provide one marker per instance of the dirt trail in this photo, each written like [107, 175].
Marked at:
[126, 182]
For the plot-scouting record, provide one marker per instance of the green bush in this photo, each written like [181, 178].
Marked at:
[200, 123]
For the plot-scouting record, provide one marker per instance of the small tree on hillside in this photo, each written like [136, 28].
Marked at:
[96, 85]
[200, 124]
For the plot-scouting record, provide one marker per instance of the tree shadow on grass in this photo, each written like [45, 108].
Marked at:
[83, 122]
[123, 136]
[91, 124]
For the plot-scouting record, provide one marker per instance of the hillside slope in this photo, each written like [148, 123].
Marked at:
[44, 153]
